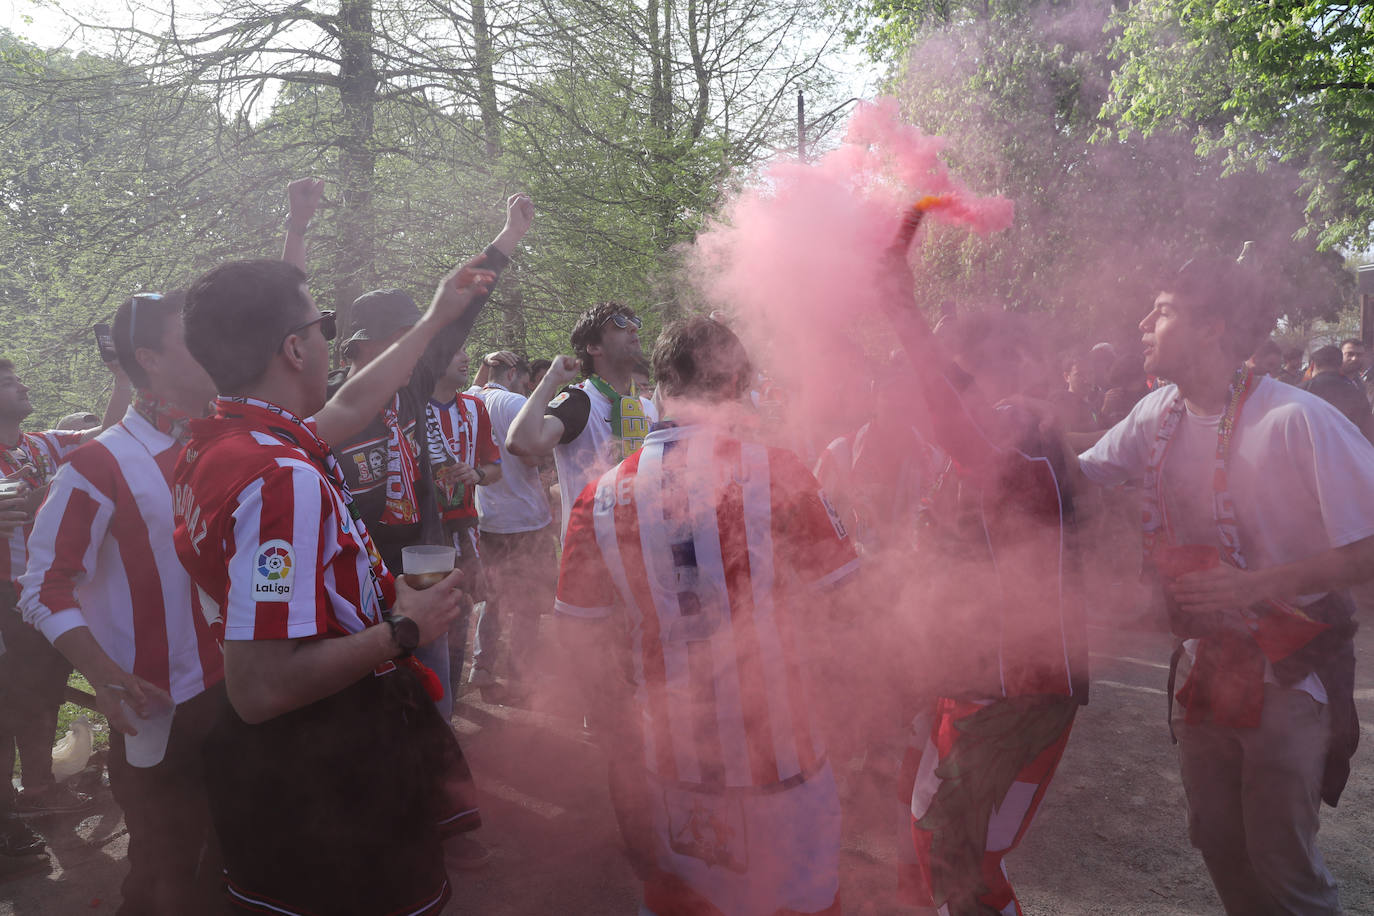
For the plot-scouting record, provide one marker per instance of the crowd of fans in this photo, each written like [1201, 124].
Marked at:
[220, 557]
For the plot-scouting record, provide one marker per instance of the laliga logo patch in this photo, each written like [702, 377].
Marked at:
[563, 396]
[273, 571]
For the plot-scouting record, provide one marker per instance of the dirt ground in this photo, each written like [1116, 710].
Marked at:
[1109, 838]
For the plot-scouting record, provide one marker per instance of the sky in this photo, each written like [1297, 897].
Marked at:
[49, 24]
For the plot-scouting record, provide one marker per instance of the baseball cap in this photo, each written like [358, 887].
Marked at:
[79, 420]
[379, 314]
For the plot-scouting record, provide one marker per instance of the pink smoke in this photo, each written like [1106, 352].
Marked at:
[794, 258]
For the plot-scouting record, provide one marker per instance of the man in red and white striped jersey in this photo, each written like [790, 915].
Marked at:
[463, 456]
[711, 551]
[32, 674]
[104, 586]
[332, 778]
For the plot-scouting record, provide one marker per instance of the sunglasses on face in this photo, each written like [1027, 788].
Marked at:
[625, 321]
[328, 327]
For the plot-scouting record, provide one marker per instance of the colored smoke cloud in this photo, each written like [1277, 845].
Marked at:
[795, 258]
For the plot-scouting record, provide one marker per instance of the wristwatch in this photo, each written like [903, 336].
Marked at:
[404, 631]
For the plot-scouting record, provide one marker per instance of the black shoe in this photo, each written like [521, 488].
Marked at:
[18, 838]
[12, 869]
[60, 799]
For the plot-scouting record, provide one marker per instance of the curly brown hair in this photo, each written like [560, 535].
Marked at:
[587, 331]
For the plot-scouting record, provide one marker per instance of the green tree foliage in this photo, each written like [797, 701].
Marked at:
[105, 190]
[1260, 82]
[625, 121]
[1102, 217]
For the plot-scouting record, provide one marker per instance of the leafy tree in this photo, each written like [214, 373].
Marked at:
[1258, 83]
[90, 211]
[1017, 91]
[639, 110]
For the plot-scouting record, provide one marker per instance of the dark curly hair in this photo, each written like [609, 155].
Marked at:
[587, 331]
[1214, 287]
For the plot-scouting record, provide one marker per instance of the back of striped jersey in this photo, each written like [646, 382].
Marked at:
[709, 545]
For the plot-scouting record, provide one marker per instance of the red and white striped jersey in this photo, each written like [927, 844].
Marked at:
[708, 544]
[101, 557]
[34, 459]
[458, 431]
[266, 536]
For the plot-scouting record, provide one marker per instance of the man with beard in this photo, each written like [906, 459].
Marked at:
[33, 675]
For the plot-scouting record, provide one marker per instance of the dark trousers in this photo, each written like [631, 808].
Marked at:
[33, 676]
[464, 537]
[522, 569]
[333, 808]
[174, 860]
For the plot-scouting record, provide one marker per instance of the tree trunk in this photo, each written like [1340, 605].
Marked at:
[484, 64]
[356, 270]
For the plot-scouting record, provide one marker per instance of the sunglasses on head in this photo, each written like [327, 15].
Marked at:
[133, 315]
[328, 327]
[625, 321]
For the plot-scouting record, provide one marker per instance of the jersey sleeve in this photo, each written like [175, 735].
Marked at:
[817, 545]
[584, 582]
[1123, 451]
[572, 407]
[63, 552]
[50, 449]
[487, 450]
[280, 561]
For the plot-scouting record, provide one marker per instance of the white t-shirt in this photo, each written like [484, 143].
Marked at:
[517, 502]
[1300, 474]
[594, 451]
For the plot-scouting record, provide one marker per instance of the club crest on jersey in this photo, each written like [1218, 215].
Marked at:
[835, 520]
[273, 571]
[562, 396]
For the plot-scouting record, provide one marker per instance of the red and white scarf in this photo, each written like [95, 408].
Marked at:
[1227, 681]
[402, 470]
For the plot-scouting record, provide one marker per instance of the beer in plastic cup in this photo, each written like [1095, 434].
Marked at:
[426, 565]
[149, 746]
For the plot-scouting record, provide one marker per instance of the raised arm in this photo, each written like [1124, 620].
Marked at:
[303, 198]
[533, 432]
[367, 391]
[504, 359]
[121, 396]
[519, 218]
[956, 421]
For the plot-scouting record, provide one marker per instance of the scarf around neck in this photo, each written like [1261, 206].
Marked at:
[629, 425]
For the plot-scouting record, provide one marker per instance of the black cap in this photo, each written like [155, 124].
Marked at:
[379, 314]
